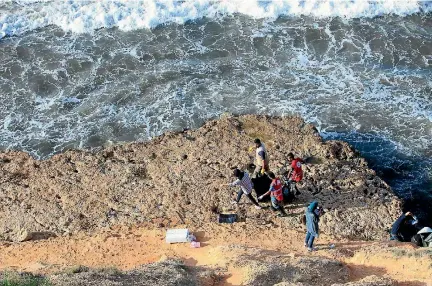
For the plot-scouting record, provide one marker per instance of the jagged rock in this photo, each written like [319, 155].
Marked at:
[82, 191]
[25, 235]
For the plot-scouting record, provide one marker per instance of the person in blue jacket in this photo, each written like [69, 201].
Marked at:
[312, 219]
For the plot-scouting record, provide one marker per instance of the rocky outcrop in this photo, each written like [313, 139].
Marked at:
[175, 179]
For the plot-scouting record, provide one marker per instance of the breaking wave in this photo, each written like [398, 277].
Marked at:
[18, 17]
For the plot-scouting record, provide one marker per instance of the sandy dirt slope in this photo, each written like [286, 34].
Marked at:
[222, 247]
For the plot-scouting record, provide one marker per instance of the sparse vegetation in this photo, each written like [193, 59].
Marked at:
[399, 252]
[414, 253]
[16, 279]
[111, 270]
[76, 269]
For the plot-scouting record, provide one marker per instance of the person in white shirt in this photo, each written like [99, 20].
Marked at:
[261, 159]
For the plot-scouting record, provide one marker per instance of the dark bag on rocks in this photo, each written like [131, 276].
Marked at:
[288, 195]
[227, 218]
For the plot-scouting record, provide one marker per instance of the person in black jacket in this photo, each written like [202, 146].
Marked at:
[404, 227]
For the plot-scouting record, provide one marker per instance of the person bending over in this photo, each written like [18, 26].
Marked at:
[245, 183]
[276, 194]
[404, 227]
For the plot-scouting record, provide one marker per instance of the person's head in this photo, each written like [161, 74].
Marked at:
[257, 142]
[290, 156]
[237, 173]
[313, 205]
[271, 175]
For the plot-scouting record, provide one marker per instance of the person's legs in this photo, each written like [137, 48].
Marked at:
[252, 199]
[276, 205]
[295, 189]
[310, 242]
[257, 171]
[395, 237]
[267, 168]
[282, 211]
[308, 235]
[239, 195]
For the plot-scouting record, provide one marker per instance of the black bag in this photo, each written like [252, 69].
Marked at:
[288, 195]
[227, 218]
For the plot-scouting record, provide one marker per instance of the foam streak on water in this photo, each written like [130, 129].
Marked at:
[86, 16]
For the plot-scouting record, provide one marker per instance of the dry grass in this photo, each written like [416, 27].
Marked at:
[18, 279]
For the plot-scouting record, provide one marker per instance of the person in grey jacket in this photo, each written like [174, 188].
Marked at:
[246, 186]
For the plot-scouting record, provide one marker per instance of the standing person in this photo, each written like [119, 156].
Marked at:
[245, 183]
[312, 219]
[276, 194]
[261, 159]
[296, 173]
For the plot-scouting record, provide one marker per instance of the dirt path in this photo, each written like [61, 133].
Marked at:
[127, 248]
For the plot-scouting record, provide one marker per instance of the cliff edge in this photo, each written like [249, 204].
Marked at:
[175, 179]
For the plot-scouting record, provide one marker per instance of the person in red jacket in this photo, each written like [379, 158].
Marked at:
[275, 193]
[296, 173]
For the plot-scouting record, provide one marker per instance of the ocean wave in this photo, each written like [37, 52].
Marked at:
[20, 16]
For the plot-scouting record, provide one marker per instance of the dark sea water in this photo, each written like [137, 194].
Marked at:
[73, 82]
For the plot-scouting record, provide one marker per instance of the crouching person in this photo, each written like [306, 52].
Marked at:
[276, 194]
[312, 219]
[404, 228]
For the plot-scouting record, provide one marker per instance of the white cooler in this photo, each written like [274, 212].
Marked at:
[177, 235]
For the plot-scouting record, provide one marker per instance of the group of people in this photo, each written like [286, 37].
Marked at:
[276, 188]
[406, 228]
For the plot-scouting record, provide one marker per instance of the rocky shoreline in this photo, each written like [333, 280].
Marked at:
[175, 179]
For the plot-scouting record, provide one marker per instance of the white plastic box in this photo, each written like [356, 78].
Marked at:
[177, 235]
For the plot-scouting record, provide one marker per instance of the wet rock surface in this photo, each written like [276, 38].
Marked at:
[175, 179]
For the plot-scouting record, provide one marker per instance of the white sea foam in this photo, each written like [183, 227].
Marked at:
[86, 16]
